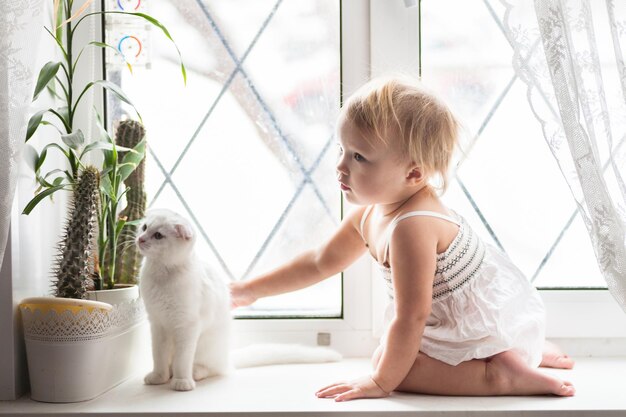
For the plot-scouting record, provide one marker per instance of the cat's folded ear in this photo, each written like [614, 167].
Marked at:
[183, 231]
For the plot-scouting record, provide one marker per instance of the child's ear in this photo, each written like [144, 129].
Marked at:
[415, 175]
[183, 231]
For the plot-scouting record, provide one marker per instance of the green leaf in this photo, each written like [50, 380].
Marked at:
[55, 171]
[75, 162]
[104, 134]
[113, 157]
[123, 193]
[59, 13]
[64, 112]
[66, 175]
[108, 85]
[132, 159]
[33, 123]
[30, 156]
[56, 146]
[119, 226]
[135, 222]
[58, 181]
[105, 172]
[115, 89]
[47, 73]
[52, 90]
[106, 187]
[74, 140]
[167, 33]
[58, 41]
[102, 145]
[117, 51]
[37, 199]
[125, 169]
[42, 183]
[40, 159]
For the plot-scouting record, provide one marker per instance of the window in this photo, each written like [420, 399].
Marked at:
[479, 73]
[507, 182]
[376, 37]
[245, 149]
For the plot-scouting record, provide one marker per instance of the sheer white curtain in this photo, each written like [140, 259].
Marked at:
[570, 55]
[21, 23]
[20, 31]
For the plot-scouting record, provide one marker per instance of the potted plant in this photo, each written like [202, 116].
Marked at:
[78, 348]
[123, 204]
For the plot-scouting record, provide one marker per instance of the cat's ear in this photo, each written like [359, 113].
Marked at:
[183, 231]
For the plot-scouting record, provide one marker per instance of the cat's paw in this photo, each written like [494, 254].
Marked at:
[156, 378]
[182, 384]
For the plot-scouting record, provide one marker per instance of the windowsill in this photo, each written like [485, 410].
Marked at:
[287, 390]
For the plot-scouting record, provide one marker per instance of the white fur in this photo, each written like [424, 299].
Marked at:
[187, 304]
[188, 307]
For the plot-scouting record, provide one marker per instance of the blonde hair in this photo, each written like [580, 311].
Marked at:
[401, 107]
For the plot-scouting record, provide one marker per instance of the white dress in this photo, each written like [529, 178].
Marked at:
[482, 303]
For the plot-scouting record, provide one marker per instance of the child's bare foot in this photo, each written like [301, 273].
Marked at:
[514, 377]
[553, 357]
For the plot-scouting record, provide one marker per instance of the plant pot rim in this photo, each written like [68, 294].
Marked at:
[60, 304]
[116, 287]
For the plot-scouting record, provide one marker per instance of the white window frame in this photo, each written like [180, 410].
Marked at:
[352, 333]
[577, 314]
[382, 36]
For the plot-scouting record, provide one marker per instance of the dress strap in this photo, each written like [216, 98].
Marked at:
[363, 218]
[398, 219]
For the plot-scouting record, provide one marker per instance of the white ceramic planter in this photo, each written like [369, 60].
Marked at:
[121, 293]
[79, 349]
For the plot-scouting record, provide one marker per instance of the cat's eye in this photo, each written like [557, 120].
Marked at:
[158, 236]
[144, 227]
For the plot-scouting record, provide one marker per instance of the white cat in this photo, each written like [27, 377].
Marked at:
[188, 308]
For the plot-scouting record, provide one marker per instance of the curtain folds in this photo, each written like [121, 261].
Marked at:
[570, 54]
[20, 29]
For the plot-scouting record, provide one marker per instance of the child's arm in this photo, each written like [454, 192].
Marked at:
[343, 248]
[412, 255]
[413, 258]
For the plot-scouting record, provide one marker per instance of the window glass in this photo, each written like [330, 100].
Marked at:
[245, 148]
[508, 184]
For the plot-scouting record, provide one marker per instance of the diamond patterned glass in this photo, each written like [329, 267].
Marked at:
[244, 149]
[507, 182]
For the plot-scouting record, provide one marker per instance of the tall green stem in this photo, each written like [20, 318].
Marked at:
[102, 238]
[112, 243]
[69, 35]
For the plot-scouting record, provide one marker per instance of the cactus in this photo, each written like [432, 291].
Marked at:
[75, 261]
[128, 134]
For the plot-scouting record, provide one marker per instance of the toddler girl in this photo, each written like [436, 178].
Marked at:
[462, 319]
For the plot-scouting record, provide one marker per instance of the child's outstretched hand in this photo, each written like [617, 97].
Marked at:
[240, 295]
[364, 387]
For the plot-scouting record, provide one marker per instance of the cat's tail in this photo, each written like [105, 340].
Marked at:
[280, 354]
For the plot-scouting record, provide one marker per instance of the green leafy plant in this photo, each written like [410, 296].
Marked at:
[58, 78]
[116, 170]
